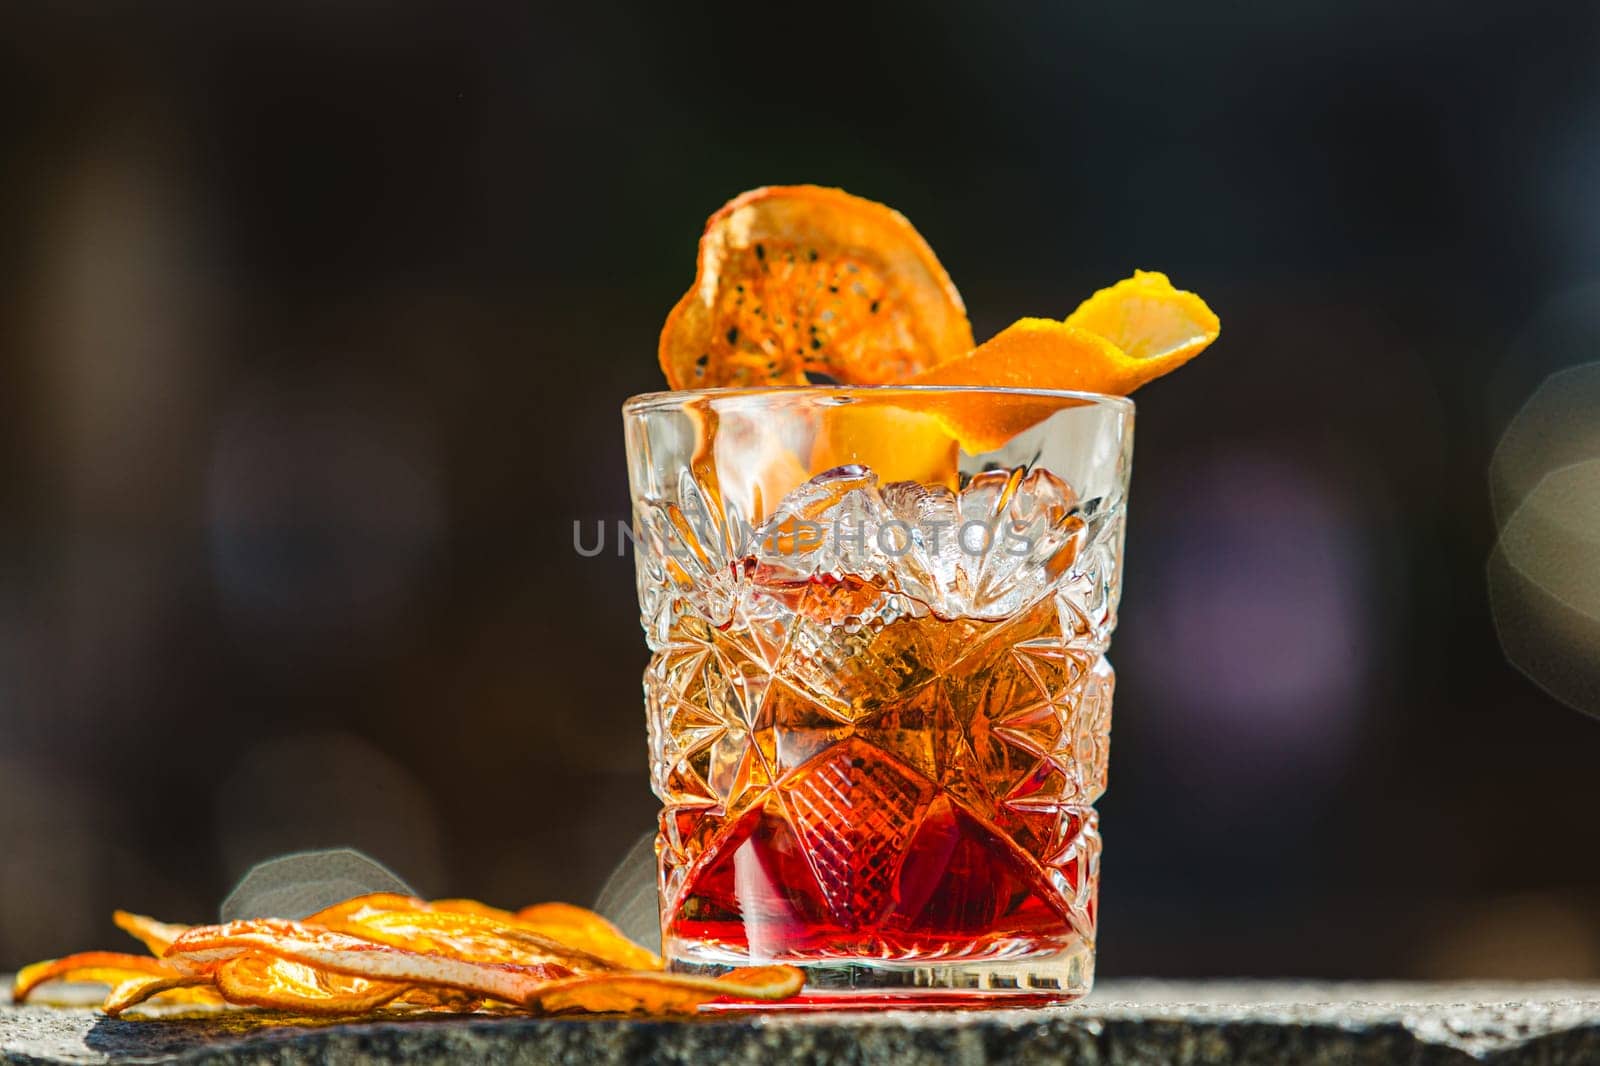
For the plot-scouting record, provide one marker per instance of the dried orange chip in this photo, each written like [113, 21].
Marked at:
[353, 908]
[139, 989]
[798, 279]
[664, 993]
[98, 967]
[259, 980]
[473, 937]
[469, 906]
[157, 936]
[581, 928]
[327, 950]
[426, 998]
[550, 931]
[385, 950]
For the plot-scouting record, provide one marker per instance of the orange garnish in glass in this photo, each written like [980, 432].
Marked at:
[1117, 340]
[1157, 327]
[896, 438]
[797, 279]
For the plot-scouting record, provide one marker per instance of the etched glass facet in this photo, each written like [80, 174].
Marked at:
[878, 706]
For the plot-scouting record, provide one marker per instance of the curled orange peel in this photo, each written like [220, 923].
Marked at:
[1156, 326]
[1120, 338]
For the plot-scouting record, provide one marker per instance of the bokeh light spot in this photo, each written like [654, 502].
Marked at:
[1544, 570]
[1558, 425]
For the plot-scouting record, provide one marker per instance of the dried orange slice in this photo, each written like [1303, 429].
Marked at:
[184, 987]
[97, 967]
[341, 953]
[665, 993]
[580, 928]
[426, 998]
[134, 978]
[403, 955]
[155, 935]
[472, 937]
[559, 929]
[798, 279]
[277, 984]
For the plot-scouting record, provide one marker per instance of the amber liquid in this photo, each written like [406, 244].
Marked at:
[884, 785]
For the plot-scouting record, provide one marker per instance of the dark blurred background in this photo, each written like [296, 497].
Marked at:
[317, 318]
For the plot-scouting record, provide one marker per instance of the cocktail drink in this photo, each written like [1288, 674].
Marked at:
[879, 609]
[878, 699]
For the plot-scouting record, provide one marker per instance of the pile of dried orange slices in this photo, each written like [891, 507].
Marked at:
[403, 955]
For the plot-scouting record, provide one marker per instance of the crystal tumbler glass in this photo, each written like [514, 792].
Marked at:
[878, 698]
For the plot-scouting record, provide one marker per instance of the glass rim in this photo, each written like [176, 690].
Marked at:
[647, 402]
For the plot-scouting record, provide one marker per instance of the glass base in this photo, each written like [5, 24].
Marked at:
[1033, 980]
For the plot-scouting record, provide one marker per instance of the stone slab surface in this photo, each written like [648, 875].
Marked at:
[1123, 1022]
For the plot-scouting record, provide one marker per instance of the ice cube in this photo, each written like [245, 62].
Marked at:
[995, 547]
[929, 564]
[829, 490]
[829, 525]
[1020, 534]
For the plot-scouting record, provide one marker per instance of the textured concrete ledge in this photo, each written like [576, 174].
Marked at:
[1124, 1022]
